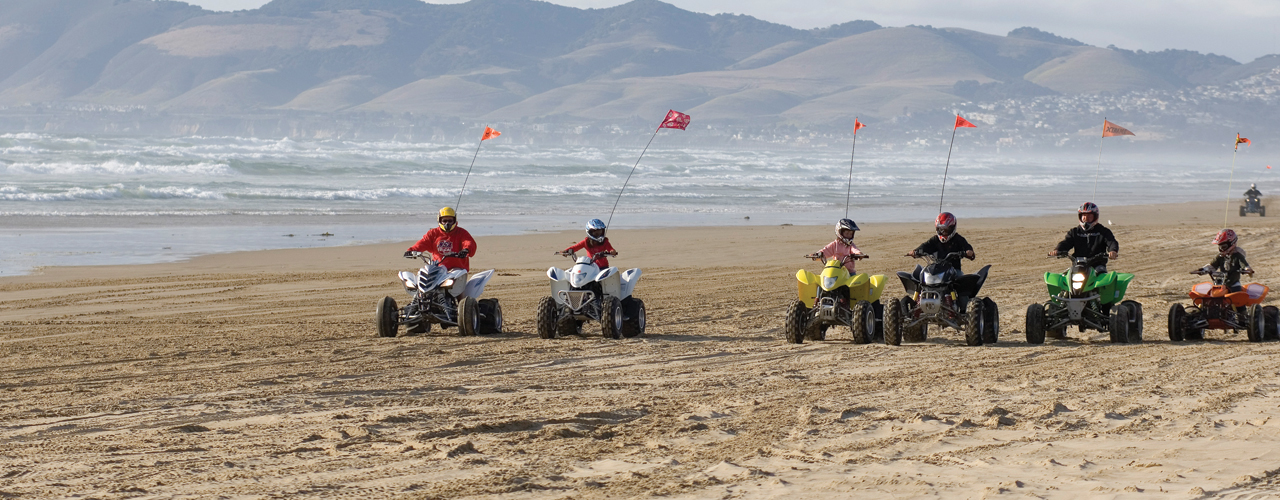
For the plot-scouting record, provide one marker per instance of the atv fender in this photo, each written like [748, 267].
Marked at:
[807, 287]
[410, 280]
[877, 288]
[475, 285]
[908, 281]
[459, 288]
[610, 282]
[1057, 283]
[1112, 286]
[982, 278]
[559, 283]
[629, 279]
[556, 274]
[607, 272]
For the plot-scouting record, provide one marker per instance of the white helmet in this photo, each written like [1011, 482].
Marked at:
[595, 230]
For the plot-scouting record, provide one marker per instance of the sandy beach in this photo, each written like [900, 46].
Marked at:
[259, 375]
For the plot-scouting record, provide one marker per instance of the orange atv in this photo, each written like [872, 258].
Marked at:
[1215, 309]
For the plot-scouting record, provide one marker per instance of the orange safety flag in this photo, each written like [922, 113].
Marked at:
[857, 125]
[1242, 140]
[675, 119]
[1268, 167]
[961, 122]
[1111, 130]
[489, 134]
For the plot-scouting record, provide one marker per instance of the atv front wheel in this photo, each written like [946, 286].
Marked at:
[1177, 314]
[1119, 327]
[1242, 211]
[1035, 324]
[490, 317]
[387, 316]
[1257, 324]
[633, 321]
[974, 324]
[611, 319]
[468, 317]
[893, 323]
[546, 318]
[991, 316]
[864, 322]
[793, 329]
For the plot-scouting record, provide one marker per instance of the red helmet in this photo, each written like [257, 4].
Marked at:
[1226, 241]
[946, 226]
[1087, 208]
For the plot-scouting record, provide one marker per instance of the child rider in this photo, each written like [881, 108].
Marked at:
[842, 246]
[596, 244]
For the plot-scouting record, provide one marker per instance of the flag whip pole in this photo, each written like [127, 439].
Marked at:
[1099, 171]
[1226, 207]
[633, 170]
[464, 179]
[849, 190]
[948, 168]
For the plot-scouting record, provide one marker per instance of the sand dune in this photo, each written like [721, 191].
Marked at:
[258, 374]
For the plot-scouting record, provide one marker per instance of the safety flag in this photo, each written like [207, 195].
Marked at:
[961, 122]
[857, 125]
[489, 134]
[1111, 130]
[675, 119]
[1242, 140]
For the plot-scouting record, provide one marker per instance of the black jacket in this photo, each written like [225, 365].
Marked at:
[1091, 242]
[1252, 193]
[939, 250]
[1232, 264]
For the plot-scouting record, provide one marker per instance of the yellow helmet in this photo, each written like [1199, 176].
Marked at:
[447, 212]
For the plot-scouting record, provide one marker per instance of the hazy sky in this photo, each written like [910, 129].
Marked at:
[1240, 29]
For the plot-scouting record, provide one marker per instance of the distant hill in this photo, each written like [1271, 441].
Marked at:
[527, 59]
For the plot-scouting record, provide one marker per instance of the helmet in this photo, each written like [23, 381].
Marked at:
[1087, 208]
[846, 224]
[449, 213]
[595, 230]
[946, 226]
[1253, 186]
[1226, 241]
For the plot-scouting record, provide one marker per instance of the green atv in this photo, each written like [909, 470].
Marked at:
[1078, 297]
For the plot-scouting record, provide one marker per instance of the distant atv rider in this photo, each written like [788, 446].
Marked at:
[595, 244]
[1090, 239]
[448, 244]
[1253, 193]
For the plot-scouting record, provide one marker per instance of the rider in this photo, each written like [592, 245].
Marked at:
[595, 244]
[1252, 193]
[448, 244]
[842, 246]
[1090, 239]
[946, 242]
[1230, 260]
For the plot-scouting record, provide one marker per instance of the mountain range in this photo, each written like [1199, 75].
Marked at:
[521, 60]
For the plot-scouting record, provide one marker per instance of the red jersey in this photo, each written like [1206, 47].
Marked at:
[592, 249]
[439, 243]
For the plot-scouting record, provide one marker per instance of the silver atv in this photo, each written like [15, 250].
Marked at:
[443, 297]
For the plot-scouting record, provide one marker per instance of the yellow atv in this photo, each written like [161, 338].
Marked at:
[836, 298]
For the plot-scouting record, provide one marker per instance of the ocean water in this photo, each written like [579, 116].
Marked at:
[76, 200]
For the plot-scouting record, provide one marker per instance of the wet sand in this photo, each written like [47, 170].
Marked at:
[258, 374]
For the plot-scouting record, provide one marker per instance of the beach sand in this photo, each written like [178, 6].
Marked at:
[259, 374]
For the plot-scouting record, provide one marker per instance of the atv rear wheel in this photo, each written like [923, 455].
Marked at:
[1262, 211]
[991, 316]
[634, 319]
[893, 322]
[611, 319]
[566, 326]
[387, 316]
[1135, 320]
[468, 317]
[793, 328]
[1273, 322]
[1035, 324]
[1242, 211]
[490, 317]
[1119, 327]
[974, 324]
[1257, 324]
[915, 333]
[546, 318]
[422, 327]
[864, 322]
[1177, 314]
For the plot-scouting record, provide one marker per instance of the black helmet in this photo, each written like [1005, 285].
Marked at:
[1087, 208]
[846, 224]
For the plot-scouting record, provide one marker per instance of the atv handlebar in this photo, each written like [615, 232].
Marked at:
[819, 256]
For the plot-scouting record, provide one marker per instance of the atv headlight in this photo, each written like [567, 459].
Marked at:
[828, 282]
[932, 279]
[447, 283]
[1077, 281]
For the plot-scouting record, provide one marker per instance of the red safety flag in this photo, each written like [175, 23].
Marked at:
[1242, 140]
[961, 122]
[675, 119]
[1268, 167]
[1111, 130]
[489, 134]
[857, 125]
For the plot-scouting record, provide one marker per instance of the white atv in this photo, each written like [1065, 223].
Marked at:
[584, 292]
[441, 296]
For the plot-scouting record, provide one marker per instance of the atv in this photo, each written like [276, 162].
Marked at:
[1082, 297]
[1215, 309]
[933, 298]
[440, 296]
[836, 298]
[1253, 205]
[583, 293]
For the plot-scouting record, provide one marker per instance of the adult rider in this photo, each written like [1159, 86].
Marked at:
[1252, 193]
[1091, 240]
[448, 244]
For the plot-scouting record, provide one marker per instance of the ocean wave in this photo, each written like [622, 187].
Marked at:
[113, 167]
[117, 191]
